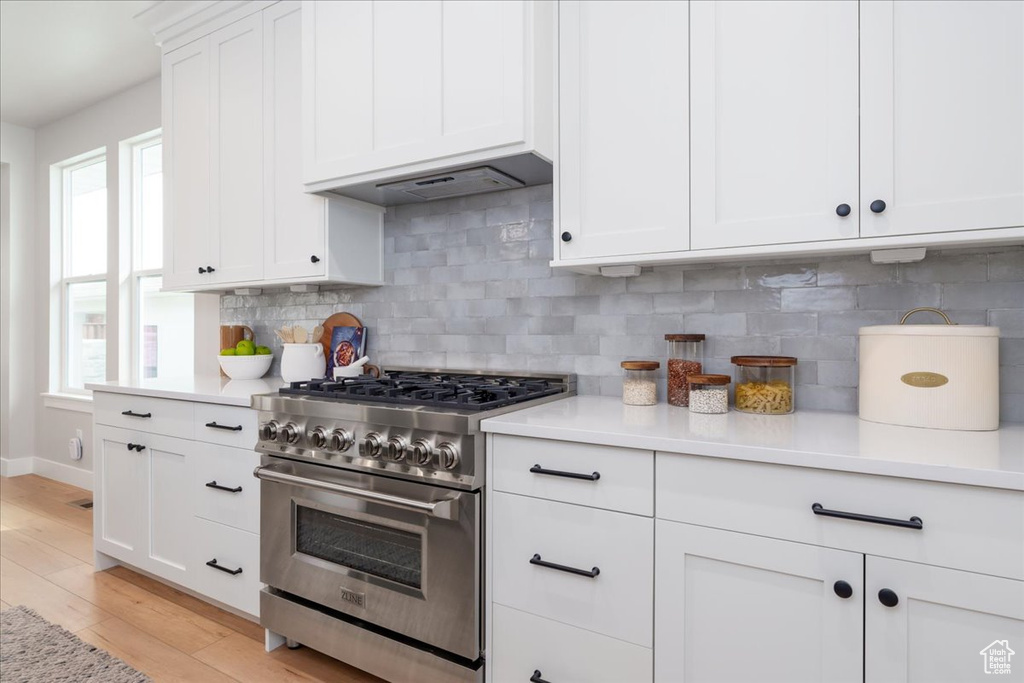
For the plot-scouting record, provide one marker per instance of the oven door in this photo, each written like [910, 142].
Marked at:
[403, 556]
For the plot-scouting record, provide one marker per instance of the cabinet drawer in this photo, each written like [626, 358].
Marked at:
[963, 527]
[618, 601]
[613, 478]
[231, 469]
[226, 425]
[233, 549]
[144, 413]
[524, 643]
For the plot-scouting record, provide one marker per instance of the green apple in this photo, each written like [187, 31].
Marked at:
[227, 352]
[263, 351]
[245, 348]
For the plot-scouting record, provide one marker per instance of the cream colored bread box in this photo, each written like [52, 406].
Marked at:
[936, 376]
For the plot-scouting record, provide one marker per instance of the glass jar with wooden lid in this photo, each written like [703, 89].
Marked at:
[639, 382]
[765, 384]
[709, 394]
[685, 358]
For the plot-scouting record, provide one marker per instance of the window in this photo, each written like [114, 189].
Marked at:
[83, 282]
[162, 322]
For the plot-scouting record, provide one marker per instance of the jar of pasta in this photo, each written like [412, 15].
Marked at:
[639, 383]
[765, 384]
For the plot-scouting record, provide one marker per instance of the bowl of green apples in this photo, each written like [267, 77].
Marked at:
[245, 360]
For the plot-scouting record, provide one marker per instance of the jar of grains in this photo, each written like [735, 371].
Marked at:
[709, 394]
[685, 358]
[764, 384]
[639, 385]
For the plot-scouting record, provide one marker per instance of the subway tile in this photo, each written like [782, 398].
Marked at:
[543, 211]
[563, 324]
[460, 256]
[585, 344]
[714, 279]
[897, 297]
[485, 308]
[508, 325]
[780, 276]
[1011, 380]
[595, 284]
[601, 324]
[850, 322]
[820, 348]
[541, 249]
[629, 304]
[509, 251]
[575, 305]
[983, 295]
[655, 281]
[1006, 266]
[503, 215]
[684, 302]
[506, 289]
[467, 220]
[1011, 408]
[716, 324]
[465, 325]
[819, 299]
[528, 343]
[554, 286]
[816, 397]
[465, 290]
[726, 347]
[1011, 351]
[838, 373]
[657, 325]
[748, 300]
[420, 225]
[971, 268]
[1009, 321]
[855, 271]
[782, 324]
[529, 306]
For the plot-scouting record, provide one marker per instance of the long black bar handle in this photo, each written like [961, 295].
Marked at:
[912, 523]
[130, 413]
[214, 425]
[233, 572]
[562, 568]
[214, 485]
[536, 677]
[593, 476]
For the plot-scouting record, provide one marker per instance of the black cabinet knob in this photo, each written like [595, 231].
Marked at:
[567, 237]
[888, 597]
[842, 589]
[209, 269]
[878, 206]
[201, 270]
[314, 259]
[843, 210]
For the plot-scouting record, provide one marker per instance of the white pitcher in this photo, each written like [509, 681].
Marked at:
[301, 362]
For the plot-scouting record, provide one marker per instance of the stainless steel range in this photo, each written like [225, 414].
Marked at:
[372, 515]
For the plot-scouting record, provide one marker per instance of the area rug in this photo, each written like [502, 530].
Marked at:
[34, 650]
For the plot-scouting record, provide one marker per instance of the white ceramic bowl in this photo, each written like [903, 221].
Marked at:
[245, 367]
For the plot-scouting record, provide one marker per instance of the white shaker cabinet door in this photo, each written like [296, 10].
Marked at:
[774, 122]
[167, 507]
[186, 160]
[942, 97]
[623, 169]
[738, 608]
[119, 482]
[393, 83]
[937, 625]
[236, 114]
[295, 237]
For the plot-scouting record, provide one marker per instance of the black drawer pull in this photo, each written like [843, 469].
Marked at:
[562, 568]
[214, 425]
[233, 572]
[132, 414]
[214, 485]
[535, 678]
[537, 469]
[136, 447]
[912, 523]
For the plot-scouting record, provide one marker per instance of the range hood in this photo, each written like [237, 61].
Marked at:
[450, 184]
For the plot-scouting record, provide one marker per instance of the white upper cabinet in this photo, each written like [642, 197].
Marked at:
[398, 87]
[236, 161]
[773, 88]
[623, 139]
[943, 116]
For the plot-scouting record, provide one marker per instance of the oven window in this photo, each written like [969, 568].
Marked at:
[370, 548]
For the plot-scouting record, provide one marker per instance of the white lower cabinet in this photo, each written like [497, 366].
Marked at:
[530, 647]
[735, 607]
[942, 624]
[169, 505]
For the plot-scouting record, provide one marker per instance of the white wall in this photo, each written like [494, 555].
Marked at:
[18, 343]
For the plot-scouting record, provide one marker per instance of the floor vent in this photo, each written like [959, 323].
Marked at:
[85, 503]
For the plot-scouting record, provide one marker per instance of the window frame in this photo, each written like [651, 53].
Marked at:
[65, 281]
[136, 146]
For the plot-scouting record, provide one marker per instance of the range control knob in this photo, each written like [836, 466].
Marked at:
[288, 434]
[419, 453]
[268, 430]
[371, 445]
[318, 438]
[448, 455]
[394, 449]
[340, 440]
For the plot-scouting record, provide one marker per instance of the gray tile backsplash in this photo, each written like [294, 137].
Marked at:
[469, 286]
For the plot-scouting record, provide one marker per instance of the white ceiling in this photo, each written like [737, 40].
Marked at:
[59, 56]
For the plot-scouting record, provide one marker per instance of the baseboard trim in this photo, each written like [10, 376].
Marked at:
[15, 467]
[58, 471]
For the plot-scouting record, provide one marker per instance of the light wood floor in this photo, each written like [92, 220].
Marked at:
[46, 564]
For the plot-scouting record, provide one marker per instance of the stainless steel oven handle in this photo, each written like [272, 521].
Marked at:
[445, 509]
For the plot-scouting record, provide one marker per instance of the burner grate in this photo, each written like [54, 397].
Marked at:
[435, 390]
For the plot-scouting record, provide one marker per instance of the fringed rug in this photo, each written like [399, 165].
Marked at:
[32, 650]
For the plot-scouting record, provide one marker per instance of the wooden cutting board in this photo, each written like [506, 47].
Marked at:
[336, 320]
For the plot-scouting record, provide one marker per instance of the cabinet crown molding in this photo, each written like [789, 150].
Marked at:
[174, 23]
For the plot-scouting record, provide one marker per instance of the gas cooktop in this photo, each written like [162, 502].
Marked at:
[432, 389]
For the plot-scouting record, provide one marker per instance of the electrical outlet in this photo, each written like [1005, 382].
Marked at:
[78, 433]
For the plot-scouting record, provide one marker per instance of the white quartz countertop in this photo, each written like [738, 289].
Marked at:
[833, 441]
[201, 388]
